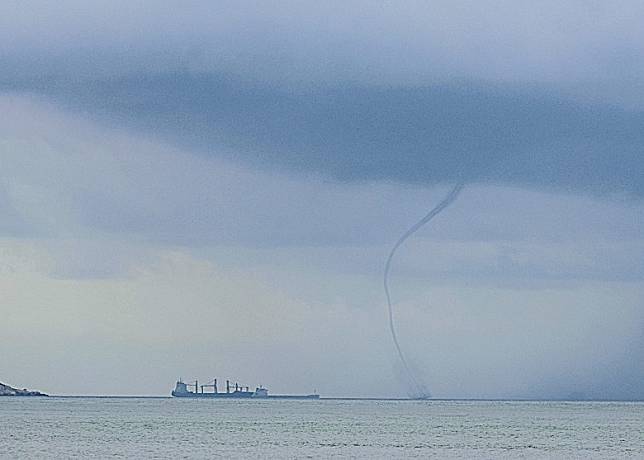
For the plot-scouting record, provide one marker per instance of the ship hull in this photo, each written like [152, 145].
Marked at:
[235, 395]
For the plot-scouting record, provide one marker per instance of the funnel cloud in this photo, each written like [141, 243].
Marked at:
[419, 388]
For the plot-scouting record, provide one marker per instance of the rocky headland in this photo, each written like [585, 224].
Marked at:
[6, 390]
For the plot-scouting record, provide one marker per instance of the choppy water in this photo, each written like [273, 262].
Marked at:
[164, 428]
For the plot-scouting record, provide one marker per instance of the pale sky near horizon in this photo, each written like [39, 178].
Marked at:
[204, 189]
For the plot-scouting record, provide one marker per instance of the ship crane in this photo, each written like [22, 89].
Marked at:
[212, 385]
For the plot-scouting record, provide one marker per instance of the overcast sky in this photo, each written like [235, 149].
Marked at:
[206, 189]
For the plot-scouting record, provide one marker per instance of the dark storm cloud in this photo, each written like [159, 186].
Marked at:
[421, 92]
[432, 134]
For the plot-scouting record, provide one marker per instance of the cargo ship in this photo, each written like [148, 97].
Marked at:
[236, 391]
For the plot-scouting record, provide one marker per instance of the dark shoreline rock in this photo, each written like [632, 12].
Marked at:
[6, 390]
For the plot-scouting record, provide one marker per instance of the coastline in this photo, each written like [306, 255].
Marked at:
[9, 391]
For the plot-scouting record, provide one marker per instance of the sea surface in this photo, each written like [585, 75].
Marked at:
[171, 428]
